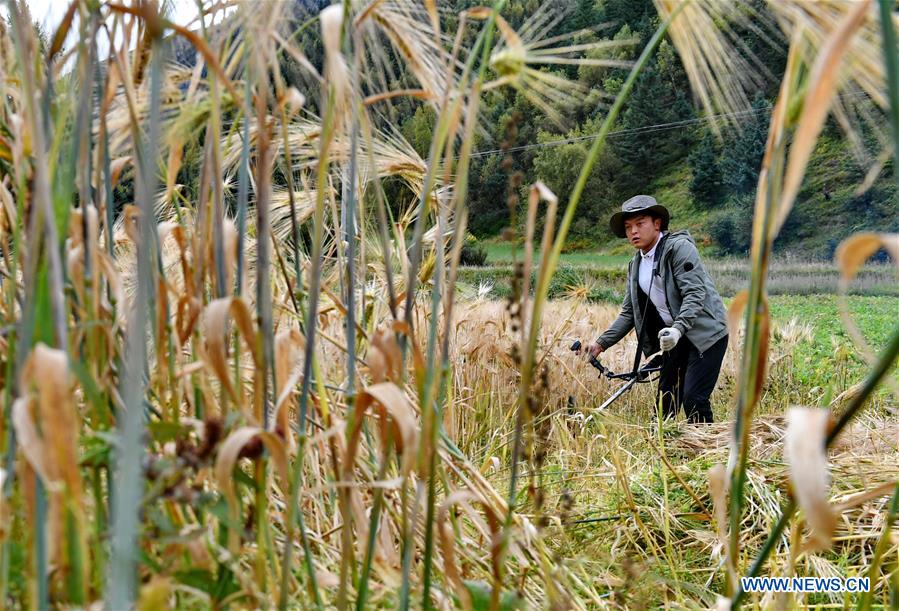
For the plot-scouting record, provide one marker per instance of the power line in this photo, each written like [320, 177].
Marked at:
[646, 129]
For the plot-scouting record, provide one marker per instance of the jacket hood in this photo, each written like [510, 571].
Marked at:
[683, 234]
[673, 236]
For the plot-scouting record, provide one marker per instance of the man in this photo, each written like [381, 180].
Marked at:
[672, 304]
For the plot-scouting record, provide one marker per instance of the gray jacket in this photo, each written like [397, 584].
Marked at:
[694, 303]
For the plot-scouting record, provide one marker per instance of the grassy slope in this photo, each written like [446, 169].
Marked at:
[672, 189]
[828, 194]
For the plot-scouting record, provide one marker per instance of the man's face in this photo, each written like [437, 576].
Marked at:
[642, 231]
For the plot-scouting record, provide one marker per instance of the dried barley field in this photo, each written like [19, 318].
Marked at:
[238, 371]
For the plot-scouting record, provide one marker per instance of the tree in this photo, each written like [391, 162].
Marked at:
[487, 210]
[595, 76]
[585, 14]
[743, 153]
[730, 227]
[638, 15]
[657, 100]
[419, 128]
[705, 186]
[559, 167]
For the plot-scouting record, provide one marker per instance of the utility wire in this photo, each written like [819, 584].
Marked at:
[646, 129]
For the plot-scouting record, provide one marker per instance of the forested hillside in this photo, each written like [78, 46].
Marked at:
[704, 168]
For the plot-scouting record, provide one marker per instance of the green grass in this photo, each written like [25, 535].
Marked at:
[672, 189]
[831, 354]
[502, 252]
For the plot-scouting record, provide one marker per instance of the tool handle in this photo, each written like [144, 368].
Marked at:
[576, 347]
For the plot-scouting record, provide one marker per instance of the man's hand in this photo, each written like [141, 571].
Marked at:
[591, 350]
[668, 338]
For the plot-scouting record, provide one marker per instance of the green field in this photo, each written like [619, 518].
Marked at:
[829, 355]
[504, 252]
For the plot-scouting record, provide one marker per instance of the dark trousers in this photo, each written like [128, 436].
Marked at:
[688, 378]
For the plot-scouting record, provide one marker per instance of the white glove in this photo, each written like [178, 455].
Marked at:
[668, 338]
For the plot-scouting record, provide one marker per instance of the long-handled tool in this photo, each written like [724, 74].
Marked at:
[632, 377]
[638, 374]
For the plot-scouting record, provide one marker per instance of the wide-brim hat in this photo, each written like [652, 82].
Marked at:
[639, 204]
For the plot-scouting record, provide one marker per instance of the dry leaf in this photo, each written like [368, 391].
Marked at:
[448, 546]
[402, 427]
[29, 440]
[187, 312]
[116, 167]
[735, 312]
[806, 454]
[230, 243]
[852, 252]
[47, 371]
[718, 491]
[226, 460]
[176, 155]
[52, 451]
[215, 319]
[377, 365]
[289, 346]
[850, 255]
[384, 358]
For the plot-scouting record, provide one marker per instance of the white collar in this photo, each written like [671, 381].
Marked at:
[652, 251]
